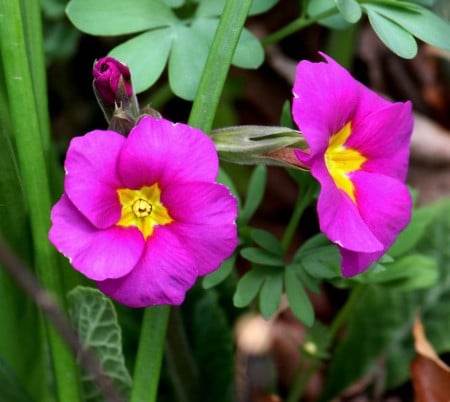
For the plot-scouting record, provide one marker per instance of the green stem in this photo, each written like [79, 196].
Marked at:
[301, 379]
[218, 63]
[149, 355]
[303, 201]
[347, 310]
[181, 365]
[154, 325]
[32, 164]
[297, 25]
[32, 22]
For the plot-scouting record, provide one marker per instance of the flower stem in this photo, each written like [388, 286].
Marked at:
[28, 138]
[304, 199]
[345, 311]
[155, 320]
[149, 355]
[218, 63]
[181, 364]
[297, 25]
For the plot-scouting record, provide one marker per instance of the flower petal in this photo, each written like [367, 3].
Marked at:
[339, 217]
[164, 274]
[91, 180]
[159, 151]
[98, 254]
[204, 221]
[385, 205]
[383, 137]
[354, 263]
[314, 107]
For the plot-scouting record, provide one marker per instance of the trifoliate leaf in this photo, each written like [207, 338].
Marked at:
[350, 10]
[419, 21]
[146, 55]
[187, 60]
[249, 51]
[396, 38]
[118, 17]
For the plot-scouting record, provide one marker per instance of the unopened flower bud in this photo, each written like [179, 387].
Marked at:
[113, 88]
[112, 81]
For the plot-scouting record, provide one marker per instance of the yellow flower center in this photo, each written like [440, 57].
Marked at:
[143, 209]
[342, 161]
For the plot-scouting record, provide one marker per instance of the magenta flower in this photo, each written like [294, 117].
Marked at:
[112, 81]
[143, 216]
[359, 150]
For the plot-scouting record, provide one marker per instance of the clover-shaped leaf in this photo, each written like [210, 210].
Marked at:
[164, 39]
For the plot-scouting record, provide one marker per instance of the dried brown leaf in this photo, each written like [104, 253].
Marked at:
[430, 375]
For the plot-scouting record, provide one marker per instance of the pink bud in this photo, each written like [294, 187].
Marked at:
[112, 81]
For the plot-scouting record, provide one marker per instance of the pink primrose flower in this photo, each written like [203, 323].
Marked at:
[108, 73]
[143, 216]
[358, 151]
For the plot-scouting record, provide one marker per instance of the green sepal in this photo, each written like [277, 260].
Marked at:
[256, 144]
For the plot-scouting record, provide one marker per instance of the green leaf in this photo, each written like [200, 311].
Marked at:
[267, 241]
[322, 262]
[312, 243]
[248, 287]
[413, 271]
[213, 8]
[146, 55]
[249, 51]
[95, 320]
[174, 3]
[118, 17]
[269, 297]
[187, 60]
[379, 319]
[420, 220]
[379, 327]
[298, 299]
[213, 349]
[419, 21]
[225, 178]
[396, 38]
[317, 7]
[221, 274]
[306, 279]
[350, 10]
[262, 257]
[261, 6]
[255, 193]
[11, 389]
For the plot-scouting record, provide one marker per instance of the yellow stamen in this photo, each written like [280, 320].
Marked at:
[143, 209]
[342, 161]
